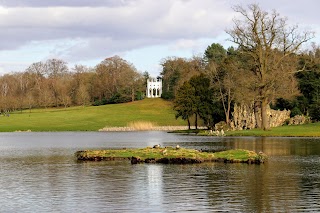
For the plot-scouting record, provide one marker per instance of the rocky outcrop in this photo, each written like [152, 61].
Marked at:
[299, 119]
[245, 117]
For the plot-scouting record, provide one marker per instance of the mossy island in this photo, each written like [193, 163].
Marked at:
[171, 155]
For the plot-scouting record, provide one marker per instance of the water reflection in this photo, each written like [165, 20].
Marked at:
[39, 174]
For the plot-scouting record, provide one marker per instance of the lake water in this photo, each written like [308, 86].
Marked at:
[38, 173]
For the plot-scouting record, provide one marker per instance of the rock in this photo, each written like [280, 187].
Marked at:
[178, 160]
[221, 125]
[135, 160]
[150, 160]
[222, 132]
[298, 119]
[261, 158]
[244, 117]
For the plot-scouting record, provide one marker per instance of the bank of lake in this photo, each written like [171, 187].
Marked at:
[304, 130]
[116, 117]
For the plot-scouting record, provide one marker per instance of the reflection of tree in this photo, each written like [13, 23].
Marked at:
[281, 185]
[309, 184]
[252, 188]
[237, 188]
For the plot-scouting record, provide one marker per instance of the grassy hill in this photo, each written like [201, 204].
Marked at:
[91, 118]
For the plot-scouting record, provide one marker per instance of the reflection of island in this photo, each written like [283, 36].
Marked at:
[148, 185]
[154, 185]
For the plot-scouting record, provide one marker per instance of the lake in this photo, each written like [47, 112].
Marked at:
[38, 173]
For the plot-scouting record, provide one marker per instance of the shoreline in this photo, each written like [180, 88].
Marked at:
[154, 128]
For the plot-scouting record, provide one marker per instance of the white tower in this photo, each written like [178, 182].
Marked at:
[154, 88]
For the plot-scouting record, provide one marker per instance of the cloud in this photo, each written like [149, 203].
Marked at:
[131, 22]
[90, 29]
[112, 27]
[9, 66]
[64, 3]
[97, 47]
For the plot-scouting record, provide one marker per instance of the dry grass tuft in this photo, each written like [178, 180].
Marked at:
[141, 125]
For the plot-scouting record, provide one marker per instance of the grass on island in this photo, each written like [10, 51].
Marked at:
[92, 118]
[238, 155]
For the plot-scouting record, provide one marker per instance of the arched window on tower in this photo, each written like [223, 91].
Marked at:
[154, 92]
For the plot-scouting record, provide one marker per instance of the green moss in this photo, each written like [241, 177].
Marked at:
[169, 153]
[239, 154]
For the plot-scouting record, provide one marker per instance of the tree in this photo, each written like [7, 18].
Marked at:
[184, 103]
[223, 70]
[268, 41]
[57, 71]
[81, 85]
[215, 52]
[117, 80]
[309, 83]
[37, 72]
[82, 95]
[203, 97]
[176, 71]
[194, 97]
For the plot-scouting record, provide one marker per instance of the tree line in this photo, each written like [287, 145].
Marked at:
[53, 84]
[266, 67]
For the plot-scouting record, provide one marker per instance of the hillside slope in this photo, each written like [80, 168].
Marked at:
[91, 118]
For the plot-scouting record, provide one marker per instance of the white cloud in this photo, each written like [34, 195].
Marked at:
[69, 3]
[160, 20]
[9, 66]
[182, 44]
[87, 30]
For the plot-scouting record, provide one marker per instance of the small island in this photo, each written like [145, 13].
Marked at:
[171, 155]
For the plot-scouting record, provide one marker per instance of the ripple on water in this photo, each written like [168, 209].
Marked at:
[46, 178]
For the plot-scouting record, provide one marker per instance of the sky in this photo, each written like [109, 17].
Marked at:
[143, 32]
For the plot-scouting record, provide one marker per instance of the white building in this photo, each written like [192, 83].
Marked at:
[154, 88]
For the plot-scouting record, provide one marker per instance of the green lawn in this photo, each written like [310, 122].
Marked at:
[306, 130]
[91, 118]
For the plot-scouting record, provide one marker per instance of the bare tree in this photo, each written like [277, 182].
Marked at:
[268, 40]
[82, 96]
[57, 70]
[37, 72]
[81, 84]
[116, 77]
